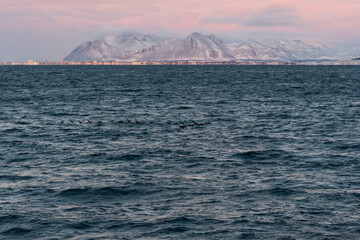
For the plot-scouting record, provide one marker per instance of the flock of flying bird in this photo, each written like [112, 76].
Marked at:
[180, 124]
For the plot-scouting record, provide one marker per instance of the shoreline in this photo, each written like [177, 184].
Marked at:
[191, 63]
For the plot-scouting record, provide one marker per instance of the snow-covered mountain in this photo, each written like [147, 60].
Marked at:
[301, 49]
[133, 41]
[199, 47]
[112, 47]
[194, 47]
[248, 50]
[349, 54]
[280, 50]
[98, 50]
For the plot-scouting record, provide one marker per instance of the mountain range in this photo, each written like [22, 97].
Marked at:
[200, 47]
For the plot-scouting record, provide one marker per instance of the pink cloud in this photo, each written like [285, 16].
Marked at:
[220, 15]
[318, 18]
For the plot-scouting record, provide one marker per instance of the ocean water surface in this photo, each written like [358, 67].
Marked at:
[180, 152]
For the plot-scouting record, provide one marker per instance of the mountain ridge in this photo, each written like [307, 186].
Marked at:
[199, 47]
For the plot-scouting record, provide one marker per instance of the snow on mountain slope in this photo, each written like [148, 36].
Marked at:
[349, 54]
[133, 41]
[112, 47]
[194, 47]
[280, 50]
[300, 49]
[249, 50]
[94, 51]
[199, 47]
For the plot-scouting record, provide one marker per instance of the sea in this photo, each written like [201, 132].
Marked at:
[179, 152]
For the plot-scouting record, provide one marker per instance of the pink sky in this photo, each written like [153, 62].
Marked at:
[63, 24]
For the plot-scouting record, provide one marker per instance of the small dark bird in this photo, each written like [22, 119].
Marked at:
[80, 121]
[62, 122]
[88, 121]
[183, 126]
[196, 123]
[137, 122]
[128, 120]
[151, 122]
[208, 123]
[121, 121]
[70, 120]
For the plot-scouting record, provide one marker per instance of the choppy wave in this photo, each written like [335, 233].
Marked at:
[166, 152]
[105, 192]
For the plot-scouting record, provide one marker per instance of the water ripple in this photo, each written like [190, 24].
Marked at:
[179, 152]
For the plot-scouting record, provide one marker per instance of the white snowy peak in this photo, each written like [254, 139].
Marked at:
[133, 41]
[200, 47]
[98, 50]
[248, 50]
[280, 50]
[112, 47]
[196, 46]
[300, 49]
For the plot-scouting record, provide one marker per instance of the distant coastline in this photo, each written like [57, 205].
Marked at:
[114, 63]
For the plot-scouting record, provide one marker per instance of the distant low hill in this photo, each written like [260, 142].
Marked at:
[200, 47]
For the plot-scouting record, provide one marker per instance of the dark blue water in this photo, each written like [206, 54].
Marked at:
[268, 152]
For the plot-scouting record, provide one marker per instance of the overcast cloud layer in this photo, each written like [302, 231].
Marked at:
[50, 29]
